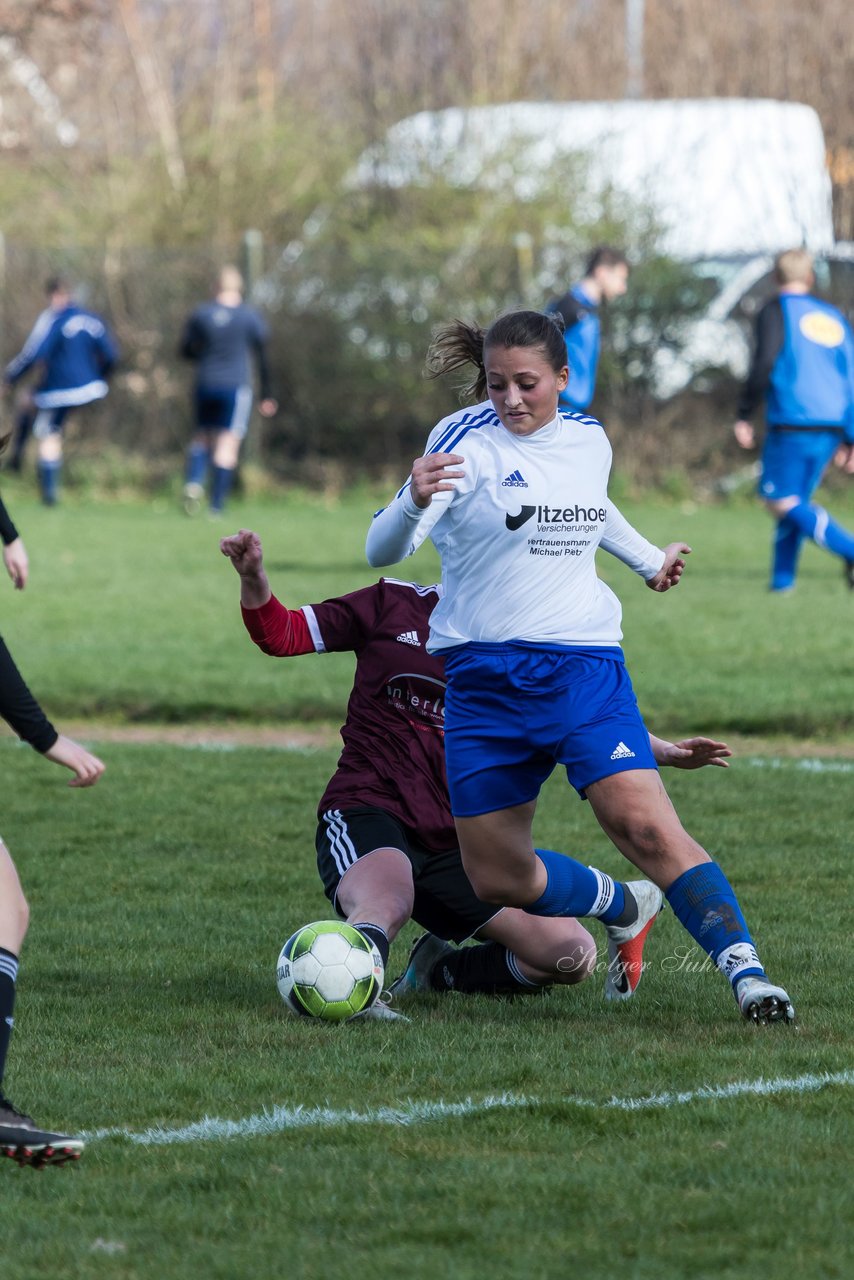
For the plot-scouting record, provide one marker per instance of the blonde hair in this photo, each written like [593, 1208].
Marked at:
[794, 266]
[230, 280]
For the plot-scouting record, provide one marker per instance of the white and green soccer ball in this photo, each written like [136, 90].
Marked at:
[329, 970]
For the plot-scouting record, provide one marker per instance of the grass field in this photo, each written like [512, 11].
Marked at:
[546, 1137]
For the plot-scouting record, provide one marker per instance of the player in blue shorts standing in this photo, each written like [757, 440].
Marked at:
[531, 642]
[803, 368]
[605, 279]
[220, 337]
[77, 353]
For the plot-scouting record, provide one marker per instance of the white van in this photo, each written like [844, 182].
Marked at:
[730, 182]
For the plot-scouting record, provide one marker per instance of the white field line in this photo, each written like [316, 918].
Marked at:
[280, 1119]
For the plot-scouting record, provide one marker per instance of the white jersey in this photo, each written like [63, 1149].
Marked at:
[518, 534]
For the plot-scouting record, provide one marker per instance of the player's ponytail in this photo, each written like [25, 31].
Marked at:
[457, 344]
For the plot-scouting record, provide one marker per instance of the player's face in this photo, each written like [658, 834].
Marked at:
[613, 281]
[523, 387]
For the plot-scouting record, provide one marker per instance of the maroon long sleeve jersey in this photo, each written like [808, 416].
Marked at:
[393, 754]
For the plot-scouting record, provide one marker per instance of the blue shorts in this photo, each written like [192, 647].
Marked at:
[793, 462]
[223, 409]
[514, 711]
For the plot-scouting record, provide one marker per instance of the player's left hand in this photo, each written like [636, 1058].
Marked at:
[671, 571]
[268, 407]
[85, 766]
[17, 563]
[694, 753]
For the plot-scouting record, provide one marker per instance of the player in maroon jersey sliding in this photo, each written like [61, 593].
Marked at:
[386, 842]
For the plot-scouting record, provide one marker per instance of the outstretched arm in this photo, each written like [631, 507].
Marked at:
[281, 632]
[621, 539]
[244, 551]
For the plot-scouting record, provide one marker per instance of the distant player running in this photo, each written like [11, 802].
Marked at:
[76, 353]
[20, 1138]
[531, 642]
[220, 337]
[803, 368]
[386, 844]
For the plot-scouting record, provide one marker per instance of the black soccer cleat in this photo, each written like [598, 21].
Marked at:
[25, 1143]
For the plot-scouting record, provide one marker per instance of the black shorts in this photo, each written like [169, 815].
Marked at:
[445, 902]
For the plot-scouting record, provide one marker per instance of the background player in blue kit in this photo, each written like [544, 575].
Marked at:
[605, 278]
[530, 637]
[222, 337]
[803, 368]
[76, 352]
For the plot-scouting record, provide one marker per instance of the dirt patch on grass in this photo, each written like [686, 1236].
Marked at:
[208, 735]
[327, 735]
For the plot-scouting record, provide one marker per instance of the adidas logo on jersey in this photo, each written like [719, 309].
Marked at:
[621, 752]
[409, 637]
[515, 481]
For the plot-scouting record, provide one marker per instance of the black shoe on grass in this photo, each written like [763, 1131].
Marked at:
[24, 1142]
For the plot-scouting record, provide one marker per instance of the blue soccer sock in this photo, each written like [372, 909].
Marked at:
[197, 464]
[222, 478]
[704, 902]
[814, 522]
[49, 473]
[787, 548]
[575, 890]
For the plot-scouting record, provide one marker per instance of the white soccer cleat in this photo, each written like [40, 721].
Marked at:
[382, 1011]
[626, 943]
[759, 1001]
[192, 497]
[426, 952]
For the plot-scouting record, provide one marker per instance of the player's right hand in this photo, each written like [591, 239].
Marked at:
[244, 551]
[744, 434]
[430, 475]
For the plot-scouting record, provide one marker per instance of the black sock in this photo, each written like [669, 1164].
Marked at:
[629, 914]
[8, 977]
[378, 937]
[487, 968]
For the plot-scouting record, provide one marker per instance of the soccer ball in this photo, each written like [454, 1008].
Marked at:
[329, 970]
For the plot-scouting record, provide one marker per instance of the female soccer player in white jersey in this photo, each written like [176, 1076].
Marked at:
[531, 642]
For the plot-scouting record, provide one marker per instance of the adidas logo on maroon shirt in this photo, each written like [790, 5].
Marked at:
[409, 637]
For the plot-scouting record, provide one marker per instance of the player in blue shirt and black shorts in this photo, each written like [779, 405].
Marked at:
[222, 337]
